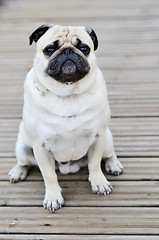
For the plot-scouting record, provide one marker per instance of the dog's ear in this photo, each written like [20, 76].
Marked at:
[93, 36]
[38, 33]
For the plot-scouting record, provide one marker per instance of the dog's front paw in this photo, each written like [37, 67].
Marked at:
[113, 166]
[53, 201]
[99, 183]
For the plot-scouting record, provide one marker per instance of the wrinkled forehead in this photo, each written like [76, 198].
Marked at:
[68, 34]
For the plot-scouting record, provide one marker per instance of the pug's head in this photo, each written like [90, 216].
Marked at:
[65, 55]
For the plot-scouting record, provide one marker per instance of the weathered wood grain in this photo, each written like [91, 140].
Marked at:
[78, 194]
[126, 146]
[73, 237]
[119, 126]
[99, 220]
[136, 169]
[123, 108]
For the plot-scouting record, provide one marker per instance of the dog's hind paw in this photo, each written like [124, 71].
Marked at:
[113, 166]
[18, 173]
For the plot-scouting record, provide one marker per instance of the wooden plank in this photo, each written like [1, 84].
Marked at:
[134, 169]
[135, 93]
[125, 194]
[126, 108]
[118, 126]
[127, 146]
[113, 53]
[141, 126]
[104, 62]
[74, 220]
[73, 237]
[101, 27]
[131, 76]
[104, 13]
[110, 3]
[119, 108]
[115, 76]
[132, 38]
[116, 52]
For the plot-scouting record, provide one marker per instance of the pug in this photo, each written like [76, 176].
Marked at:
[66, 113]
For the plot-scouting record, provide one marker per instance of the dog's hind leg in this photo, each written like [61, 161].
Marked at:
[25, 157]
[112, 165]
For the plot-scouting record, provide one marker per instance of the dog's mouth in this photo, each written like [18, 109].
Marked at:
[68, 67]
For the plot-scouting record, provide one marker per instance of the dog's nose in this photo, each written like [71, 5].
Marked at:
[69, 67]
[67, 51]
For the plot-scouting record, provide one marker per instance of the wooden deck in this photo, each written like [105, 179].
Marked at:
[128, 54]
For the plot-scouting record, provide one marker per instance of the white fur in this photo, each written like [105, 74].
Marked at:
[65, 122]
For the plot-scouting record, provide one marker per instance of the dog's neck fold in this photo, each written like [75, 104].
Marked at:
[42, 90]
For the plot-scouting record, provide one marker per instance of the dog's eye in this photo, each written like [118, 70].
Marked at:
[49, 50]
[85, 50]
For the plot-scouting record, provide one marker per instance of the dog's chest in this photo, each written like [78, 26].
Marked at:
[71, 145]
[69, 138]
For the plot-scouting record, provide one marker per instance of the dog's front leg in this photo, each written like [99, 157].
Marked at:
[98, 181]
[53, 198]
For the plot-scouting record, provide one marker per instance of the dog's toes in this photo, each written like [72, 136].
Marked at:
[114, 167]
[102, 189]
[53, 205]
[17, 173]
[115, 172]
[100, 185]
